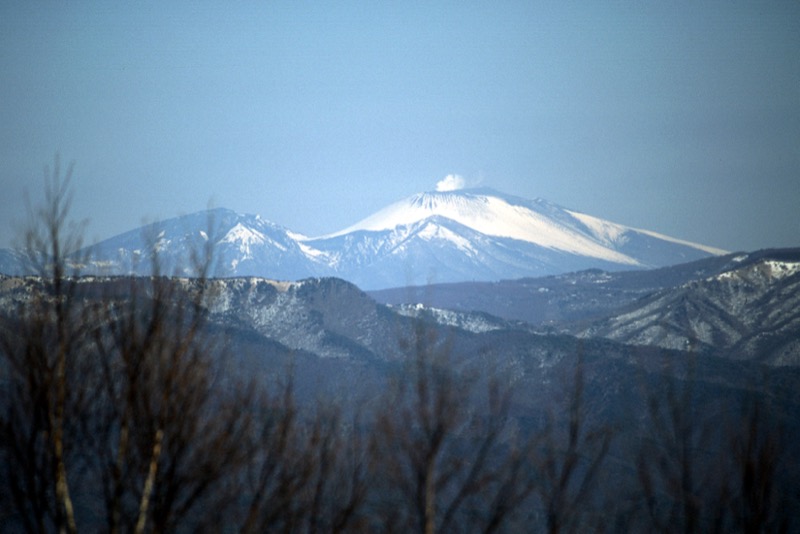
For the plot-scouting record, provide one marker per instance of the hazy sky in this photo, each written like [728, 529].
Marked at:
[678, 117]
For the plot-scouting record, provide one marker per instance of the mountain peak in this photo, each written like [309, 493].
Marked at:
[466, 206]
[495, 214]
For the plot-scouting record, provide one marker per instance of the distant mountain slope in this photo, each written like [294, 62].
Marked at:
[751, 312]
[556, 299]
[324, 316]
[743, 305]
[440, 249]
[453, 236]
[242, 245]
[14, 262]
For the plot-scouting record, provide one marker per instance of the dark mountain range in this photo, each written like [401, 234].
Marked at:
[739, 305]
[750, 311]
[556, 299]
[342, 347]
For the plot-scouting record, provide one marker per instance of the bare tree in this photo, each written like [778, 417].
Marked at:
[306, 471]
[444, 462]
[166, 431]
[707, 470]
[669, 476]
[753, 492]
[42, 344]
[111, 387]
[567, 457]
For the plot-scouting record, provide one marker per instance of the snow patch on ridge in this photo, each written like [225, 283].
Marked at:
[782, 269]
[433, 231]
[246, 238]
[607, 232]
[471, 322]
[614, 234]
[242, 234]
[772, 268]
[297, 236]
[312, 252]
[711, 250]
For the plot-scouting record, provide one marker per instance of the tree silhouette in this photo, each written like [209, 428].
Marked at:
[445, 461]
[567, 459]
[109, 388]
[42, 343]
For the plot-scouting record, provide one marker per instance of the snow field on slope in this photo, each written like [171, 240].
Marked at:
[612, 233]
[490, 216]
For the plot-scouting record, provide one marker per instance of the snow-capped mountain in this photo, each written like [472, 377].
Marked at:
[15, 262]
[240, 245]
[447, 236]
[481, 234]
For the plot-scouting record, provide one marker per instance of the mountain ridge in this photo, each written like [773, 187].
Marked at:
[469, 234]
[738, 306]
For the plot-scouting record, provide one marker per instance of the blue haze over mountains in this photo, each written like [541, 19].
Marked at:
[433, 237]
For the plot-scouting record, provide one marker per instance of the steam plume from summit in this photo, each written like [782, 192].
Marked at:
[451, 182]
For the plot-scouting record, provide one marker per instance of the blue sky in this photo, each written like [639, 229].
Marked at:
[678, 117]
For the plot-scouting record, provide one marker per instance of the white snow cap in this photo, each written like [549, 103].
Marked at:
[451, 182]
